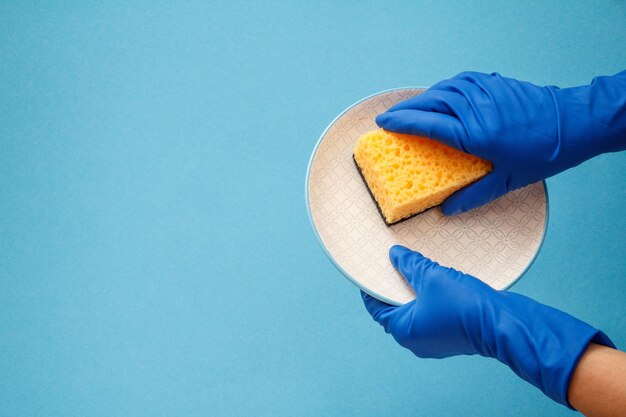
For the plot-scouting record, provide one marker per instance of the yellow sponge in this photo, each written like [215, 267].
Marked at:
[408, 174]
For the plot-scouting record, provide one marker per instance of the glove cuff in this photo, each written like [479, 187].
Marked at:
[539, 343]
[591, 119]
[558, 390]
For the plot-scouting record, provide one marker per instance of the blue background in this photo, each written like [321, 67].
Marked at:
[155, 253]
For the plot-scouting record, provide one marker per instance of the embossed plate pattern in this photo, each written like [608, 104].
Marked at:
[496, 243]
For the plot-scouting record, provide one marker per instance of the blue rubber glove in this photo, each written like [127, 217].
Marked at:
[528, 132]
[457, 314]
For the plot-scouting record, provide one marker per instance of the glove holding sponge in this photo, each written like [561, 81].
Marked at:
[528, 132]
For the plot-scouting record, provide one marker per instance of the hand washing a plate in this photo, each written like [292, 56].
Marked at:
[368, 189]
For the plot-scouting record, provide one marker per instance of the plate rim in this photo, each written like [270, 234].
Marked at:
[334, 261]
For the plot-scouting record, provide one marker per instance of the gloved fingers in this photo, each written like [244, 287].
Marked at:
[474, 195]
[476, 77]
[466, 85]
[379, 310]
[438, 101]
[440, 127]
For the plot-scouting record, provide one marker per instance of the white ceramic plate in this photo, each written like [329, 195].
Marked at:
[495, 243]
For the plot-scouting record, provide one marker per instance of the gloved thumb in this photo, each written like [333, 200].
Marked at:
[474, 195]
[415, 268]
[412, 265]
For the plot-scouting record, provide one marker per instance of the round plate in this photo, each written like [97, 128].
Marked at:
[495, 243]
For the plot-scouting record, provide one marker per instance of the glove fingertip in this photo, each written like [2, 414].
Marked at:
[398, 248]
[374, 306]
[397, 252]
[462, 203]
[452, 208]
[380, 119]
[365, 296]
[408, 263]
[474, 195]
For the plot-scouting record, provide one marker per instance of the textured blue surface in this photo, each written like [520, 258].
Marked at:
[155, 253]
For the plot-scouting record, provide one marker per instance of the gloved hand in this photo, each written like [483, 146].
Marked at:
[528, 132]
[457, 314]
